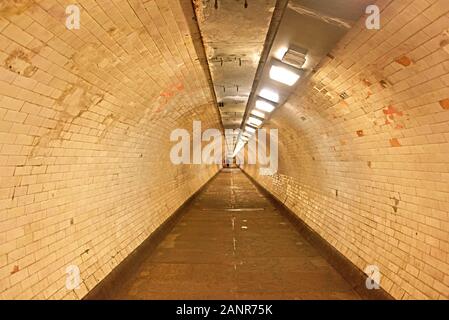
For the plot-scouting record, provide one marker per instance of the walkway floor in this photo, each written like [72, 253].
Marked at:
[232, 243]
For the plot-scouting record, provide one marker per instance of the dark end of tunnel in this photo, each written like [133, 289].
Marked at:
[353, 275]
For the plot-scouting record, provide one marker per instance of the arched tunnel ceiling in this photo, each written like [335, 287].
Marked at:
[235, 35]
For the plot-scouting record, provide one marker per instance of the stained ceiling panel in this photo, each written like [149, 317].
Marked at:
[233, 33]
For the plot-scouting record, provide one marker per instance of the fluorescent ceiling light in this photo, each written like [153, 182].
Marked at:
[238, 147]
[269, 95]
[295, 56]
[250, 129]
[254, 121]
[283, 75]
[240, 144]
[246, 134]
[258, 113]
[280, 53]
[264, 106]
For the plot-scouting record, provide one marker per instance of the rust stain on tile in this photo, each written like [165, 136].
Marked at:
[15, 269]
[366, 82]
[404, 60]
[444, 104]
[167, 94]
[395, 142]
[368, 94]
[390, 110]
[179, 86]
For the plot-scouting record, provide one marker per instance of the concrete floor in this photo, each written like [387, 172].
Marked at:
[232, 243]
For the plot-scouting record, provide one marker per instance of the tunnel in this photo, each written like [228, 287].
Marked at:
[224, 150]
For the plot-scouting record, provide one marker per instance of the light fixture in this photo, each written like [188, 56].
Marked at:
[284, 74]
[295, 56]
[250, 129]
[264, 105]
[244, 138]
[238, 147]
[280, 53]
[258, 113]
[254, 121]
[269, 95]
[246, 134]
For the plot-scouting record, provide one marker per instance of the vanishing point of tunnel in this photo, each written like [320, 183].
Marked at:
[224, 149]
